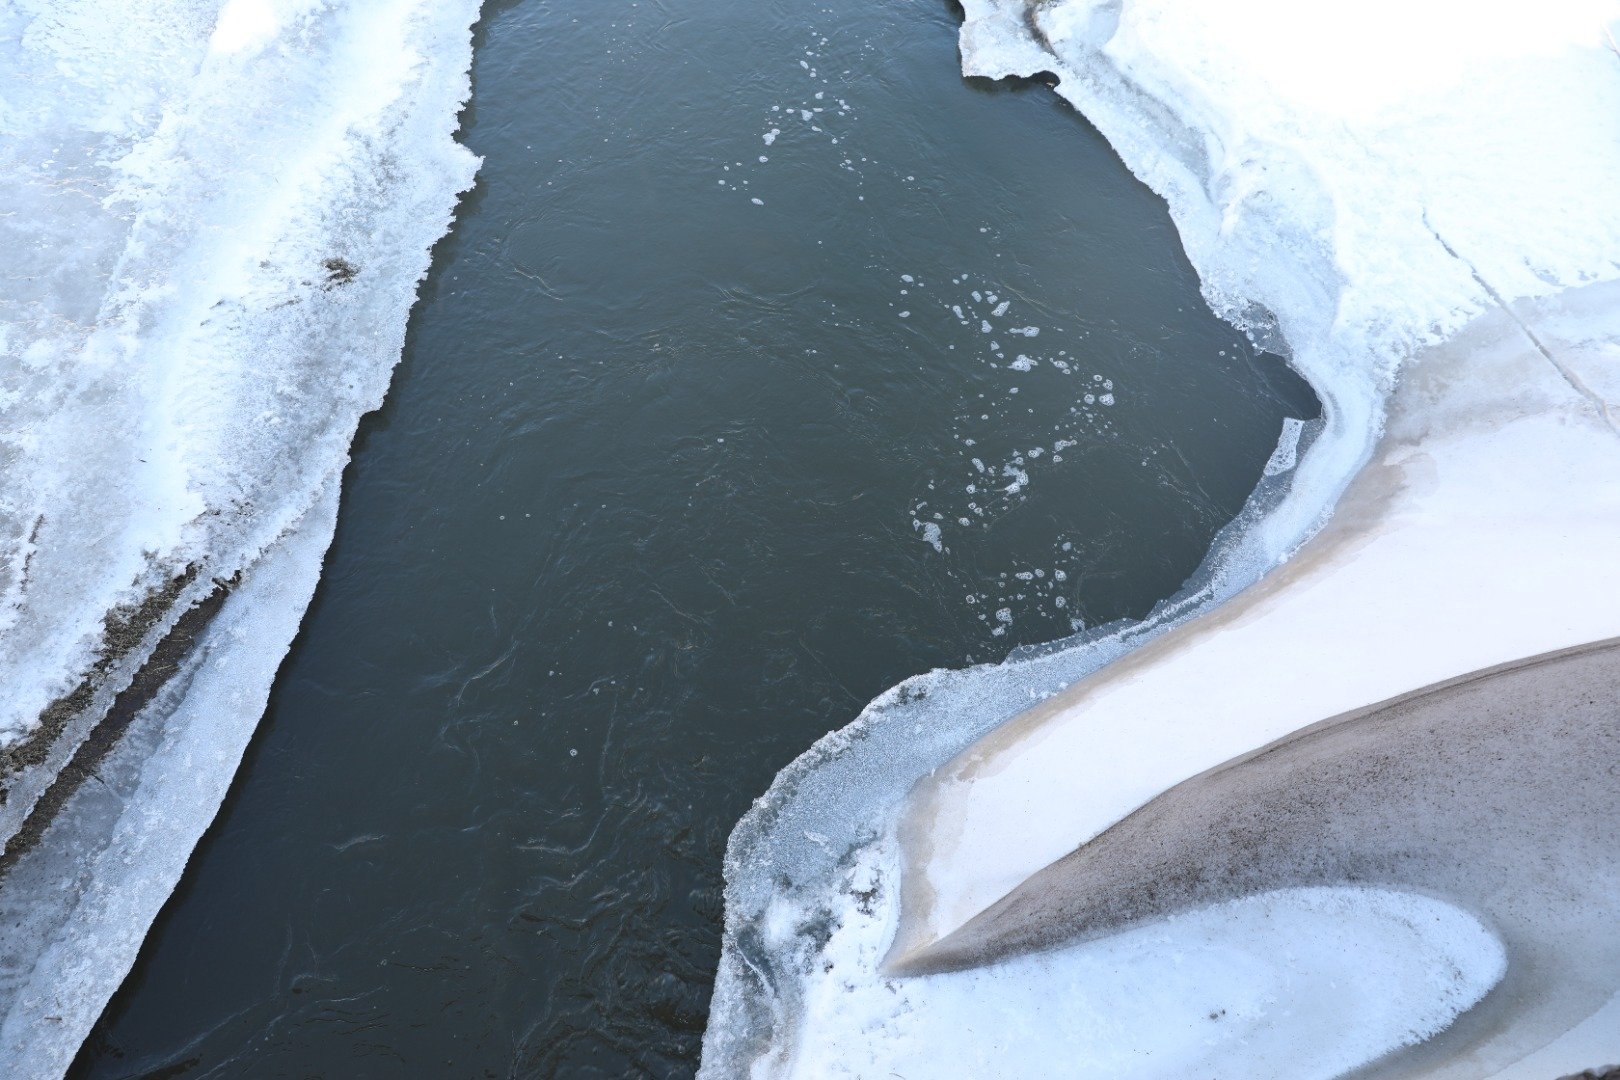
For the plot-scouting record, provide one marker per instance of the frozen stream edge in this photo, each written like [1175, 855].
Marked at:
[220, 211]
[1446, 189]
[84, 897]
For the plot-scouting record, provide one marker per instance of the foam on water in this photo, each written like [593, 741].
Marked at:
[1352, 204]
[218, 213]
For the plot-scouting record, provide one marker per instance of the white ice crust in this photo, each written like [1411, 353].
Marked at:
[79, 907]
[214, 215]
[1369, 183]
[179, 367]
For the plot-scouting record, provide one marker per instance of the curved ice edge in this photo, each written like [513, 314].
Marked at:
[1524, 444]
[832, 801]
[828, 811]
[1489, 775]
[788, 853]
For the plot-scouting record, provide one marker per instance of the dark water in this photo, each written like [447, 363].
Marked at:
[643, 517]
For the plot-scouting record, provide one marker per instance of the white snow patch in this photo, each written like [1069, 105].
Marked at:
[1298, 984]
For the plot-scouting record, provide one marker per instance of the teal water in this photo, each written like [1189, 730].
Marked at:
[652, 506]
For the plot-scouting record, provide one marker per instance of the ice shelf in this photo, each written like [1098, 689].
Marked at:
[217, 213]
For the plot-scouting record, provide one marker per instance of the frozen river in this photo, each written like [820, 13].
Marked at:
[770, 362]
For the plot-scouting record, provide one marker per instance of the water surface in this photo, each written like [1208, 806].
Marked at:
[691, 453]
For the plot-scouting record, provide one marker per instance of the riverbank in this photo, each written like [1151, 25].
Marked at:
[1462, 581]
[1424, 218]
[219, 216]
[646, 510]
[1477, 535]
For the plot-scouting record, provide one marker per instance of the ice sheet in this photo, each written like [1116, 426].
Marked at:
[214, 235]
[216, 216]
[78, 904]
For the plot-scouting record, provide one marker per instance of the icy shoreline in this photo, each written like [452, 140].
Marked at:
[221, 212]
[1368, 194]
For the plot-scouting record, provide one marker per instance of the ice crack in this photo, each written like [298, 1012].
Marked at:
[1569, 375]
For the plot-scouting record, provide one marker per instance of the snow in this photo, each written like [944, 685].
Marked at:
[78, 906]
[217, 216]
[1200, 994]
[212, 261]
[1487, 503]
[1421, 202]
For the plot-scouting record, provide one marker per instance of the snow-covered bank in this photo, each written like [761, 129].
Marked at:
[1373, 184]
[216, 216]
[1479, 534]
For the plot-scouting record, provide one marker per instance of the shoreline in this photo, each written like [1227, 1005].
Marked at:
[79, 902]
[1490, 461]
[161, 663]
[1383, 313]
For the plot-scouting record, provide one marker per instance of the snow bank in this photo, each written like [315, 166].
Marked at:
[1360, 186]
[217, 214]
[77, 905]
